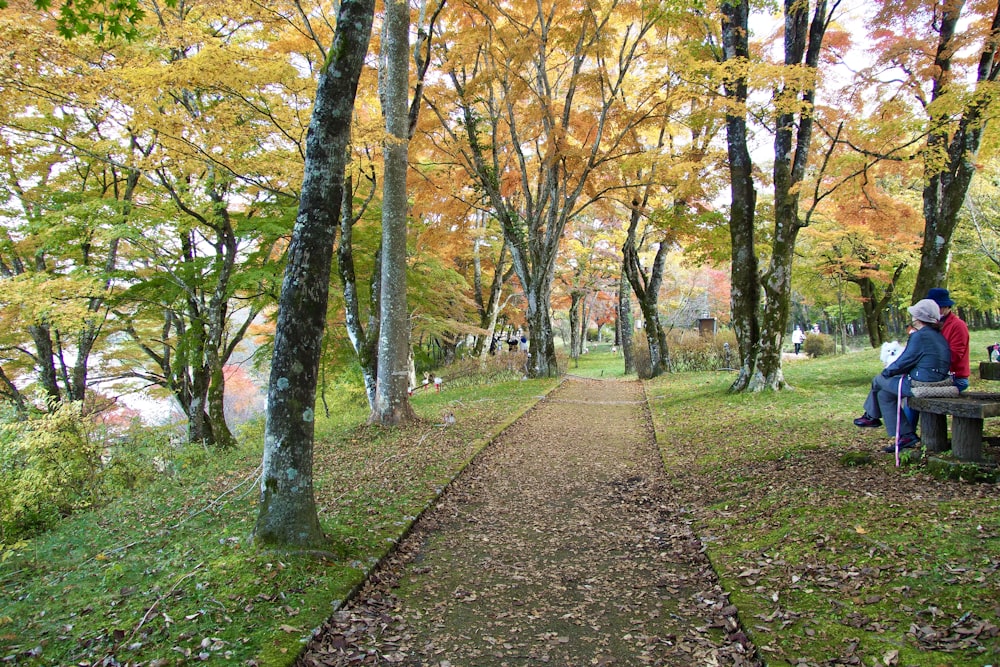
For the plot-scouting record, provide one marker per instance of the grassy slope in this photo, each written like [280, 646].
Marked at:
[170, 574]
[825, 561]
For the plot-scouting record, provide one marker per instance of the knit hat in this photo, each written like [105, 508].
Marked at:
[940, 296]
[925, 310]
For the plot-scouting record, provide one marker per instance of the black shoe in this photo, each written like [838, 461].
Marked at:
[865, 421]
[906, 442]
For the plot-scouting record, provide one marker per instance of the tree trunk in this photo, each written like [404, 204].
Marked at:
[489, 309]
[199, 424]
[659, 354]
[45, 366]
[363, 339]
[541, 347]
[777, 289]
[875, 307]
[745, 283]
[542, 360]
[223, 437]
[93, 325]
[647, 291]
[574, 324]
[392, 403]
[10, 393]
[625, 323]
[874, 317]
[287, 515]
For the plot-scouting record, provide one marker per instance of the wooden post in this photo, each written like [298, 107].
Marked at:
[934, 432]
[967, 439]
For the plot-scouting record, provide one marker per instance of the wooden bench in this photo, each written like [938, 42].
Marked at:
[989, 370]
[968, 412]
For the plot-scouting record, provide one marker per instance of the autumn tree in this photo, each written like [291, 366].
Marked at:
[58, 255]
[187, 196]
[645, 283]
[943, 56]
[670, 190]
[586, 266]
[68, 194]
[540, 98]
[287, 510]
[760, 330]
[868, 240]
[454, 223]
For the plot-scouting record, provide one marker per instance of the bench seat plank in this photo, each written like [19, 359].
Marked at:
[971, 405]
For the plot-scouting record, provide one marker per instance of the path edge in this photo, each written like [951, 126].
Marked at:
[755, 655]
[482, 444]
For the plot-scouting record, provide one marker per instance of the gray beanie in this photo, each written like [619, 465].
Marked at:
[926, 310]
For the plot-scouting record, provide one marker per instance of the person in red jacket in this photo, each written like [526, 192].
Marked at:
[956, 333]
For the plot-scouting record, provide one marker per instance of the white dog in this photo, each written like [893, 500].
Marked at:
[890, 351]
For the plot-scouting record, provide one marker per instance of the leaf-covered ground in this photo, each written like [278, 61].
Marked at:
[832, 554]
[561, 544]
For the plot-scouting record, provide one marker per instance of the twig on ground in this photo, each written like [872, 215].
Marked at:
[163, 597]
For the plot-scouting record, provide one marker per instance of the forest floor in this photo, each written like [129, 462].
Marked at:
[563, 543]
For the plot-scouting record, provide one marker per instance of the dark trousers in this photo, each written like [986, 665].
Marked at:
[881, 404]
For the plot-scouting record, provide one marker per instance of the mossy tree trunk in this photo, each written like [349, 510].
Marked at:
[287, 515]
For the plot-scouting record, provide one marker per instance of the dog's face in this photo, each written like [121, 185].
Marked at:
[890, 351]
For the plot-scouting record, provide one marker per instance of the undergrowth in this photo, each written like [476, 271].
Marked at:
[169, 573]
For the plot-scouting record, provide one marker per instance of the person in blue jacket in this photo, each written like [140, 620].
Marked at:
[927, 358]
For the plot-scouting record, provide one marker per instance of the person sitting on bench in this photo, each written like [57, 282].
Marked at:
[956, 332]
[926, 358]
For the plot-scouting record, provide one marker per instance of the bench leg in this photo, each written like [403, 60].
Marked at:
[934, 432]
[967, 439]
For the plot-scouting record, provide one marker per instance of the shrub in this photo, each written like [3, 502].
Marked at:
[66, 460]
[640, 355]
[500, 367]
[816, 345]
[690, 351]
[48, 467]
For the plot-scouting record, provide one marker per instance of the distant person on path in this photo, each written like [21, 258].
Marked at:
[815, 328]
[956, 332]
[798, 337]
[926, 358]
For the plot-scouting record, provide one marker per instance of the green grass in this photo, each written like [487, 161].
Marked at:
[171, 575]
[829, 560]
[599, 362]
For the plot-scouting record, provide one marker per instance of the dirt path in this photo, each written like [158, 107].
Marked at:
[560, 545]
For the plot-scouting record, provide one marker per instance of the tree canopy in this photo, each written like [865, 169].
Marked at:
[162, 163]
